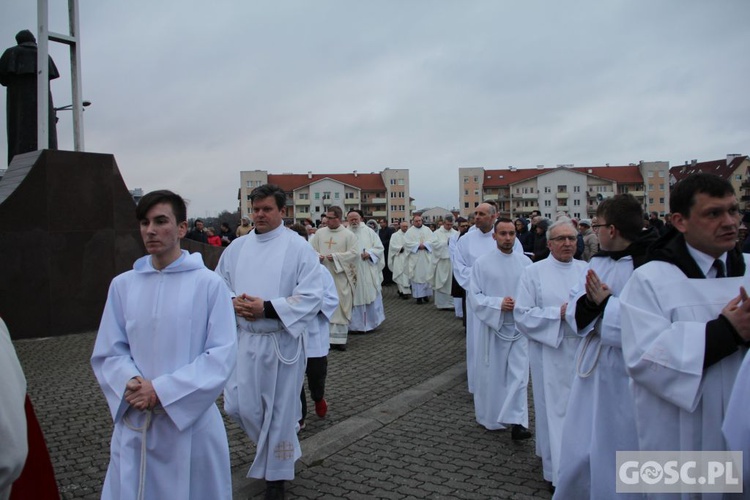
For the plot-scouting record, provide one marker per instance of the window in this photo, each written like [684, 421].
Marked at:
[304, 196]
[547, 203]
[738, 177]
[249, 184]
[650, 187]
[317, 209]
[661, 200]
[350, 196]
[393, 182]
[661, 186]
[401, 207]
[393, 208]
[303, 209]
[466, 180]
[576, 202]
[661, 174]
[476, 192]
[548, 215]
[562, 189]
[476, 204]
[650, 174]
[326, 195]
[248, 197]
[576, 189]
[466, 192]
[547, 189]
[336, 195]
[476, 179]
[401, 195]
[466, 205]
[317, 196]
[650, 201]
[400, 182]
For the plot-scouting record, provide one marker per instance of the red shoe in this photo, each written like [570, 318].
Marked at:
[321, 408]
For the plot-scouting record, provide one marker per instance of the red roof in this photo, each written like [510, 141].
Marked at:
[627, 174]
[624, 174]
[718, 167]
[365, 182]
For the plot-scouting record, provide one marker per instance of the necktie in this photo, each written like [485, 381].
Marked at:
[719, 266]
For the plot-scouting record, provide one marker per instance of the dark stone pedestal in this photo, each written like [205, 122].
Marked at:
[67, 227]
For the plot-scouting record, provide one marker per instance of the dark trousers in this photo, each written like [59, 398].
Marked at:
[317, 369]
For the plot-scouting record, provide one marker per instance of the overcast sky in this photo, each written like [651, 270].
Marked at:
[188, 93]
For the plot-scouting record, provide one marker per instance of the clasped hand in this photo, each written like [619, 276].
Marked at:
[248, 307]
[140, 394]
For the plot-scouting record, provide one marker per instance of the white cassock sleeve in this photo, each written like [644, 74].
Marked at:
[485, 307]
[297, 309]
[376, 250]
[112, 361]
[663, 356]
[330, 295]
[13, 437]
[461, 269]
[541, 324]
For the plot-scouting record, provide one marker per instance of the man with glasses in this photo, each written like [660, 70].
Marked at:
[685, 333]
[338, 253]
[541, 303]
[600, 417]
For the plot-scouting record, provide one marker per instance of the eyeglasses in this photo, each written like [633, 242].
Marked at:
[564, 238]
[597, 226]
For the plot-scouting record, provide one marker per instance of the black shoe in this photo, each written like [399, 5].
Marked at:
[519, 432]
[400, 295]
[338, 347]
[404, 296]
[274, 490]
[419, 300]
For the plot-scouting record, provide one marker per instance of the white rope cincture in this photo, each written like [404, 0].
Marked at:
[502, 336]
[589, 339]
[278, 350]
[143, 430]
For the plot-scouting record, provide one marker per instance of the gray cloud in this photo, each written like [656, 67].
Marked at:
[187, 94]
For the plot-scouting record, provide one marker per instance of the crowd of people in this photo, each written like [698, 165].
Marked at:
[631, 341]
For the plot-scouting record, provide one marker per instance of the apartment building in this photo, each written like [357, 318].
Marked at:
[575, 191]
[382, 194]
[734, 169]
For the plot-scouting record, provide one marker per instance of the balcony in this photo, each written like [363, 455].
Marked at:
[351, 201]
[301, 215]
[637, 194]
[380, 213]
[300, 203]
[527, 196]
[561, 196]
[379, 200]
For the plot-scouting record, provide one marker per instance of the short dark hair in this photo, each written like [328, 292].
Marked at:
[162, 196]
[266, 190]
[625, 213]
[682, 198]
[336, 211]
[299, 229]
[502, 219]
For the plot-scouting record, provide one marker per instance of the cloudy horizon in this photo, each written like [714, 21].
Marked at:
[186, 94]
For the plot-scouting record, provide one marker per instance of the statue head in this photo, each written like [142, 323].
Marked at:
[24, 36]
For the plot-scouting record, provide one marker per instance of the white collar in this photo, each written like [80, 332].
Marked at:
[706, 262]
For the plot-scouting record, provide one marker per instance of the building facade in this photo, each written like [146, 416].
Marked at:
[565, 189]
[734, 169]
[379, 195]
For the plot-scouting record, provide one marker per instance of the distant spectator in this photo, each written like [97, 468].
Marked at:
[226, 234]
[655, 222]
[198, 233]
[590, 239]
[244, 227]
[579, 241]
[667, 224]
[212, 238]
[523, 235]
[541, 250]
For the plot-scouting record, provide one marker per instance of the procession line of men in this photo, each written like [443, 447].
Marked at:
[638, 350]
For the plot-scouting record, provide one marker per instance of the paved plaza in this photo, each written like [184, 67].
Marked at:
[400, 423]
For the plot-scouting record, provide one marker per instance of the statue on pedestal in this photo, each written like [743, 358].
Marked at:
[18, 72]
